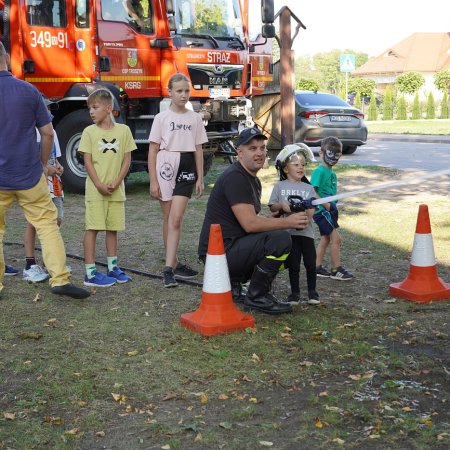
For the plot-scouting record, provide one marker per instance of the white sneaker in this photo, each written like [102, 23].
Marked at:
[35, 274]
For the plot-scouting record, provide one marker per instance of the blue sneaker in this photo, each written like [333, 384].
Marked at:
[10, 271]
[118, 275]
[99, 280]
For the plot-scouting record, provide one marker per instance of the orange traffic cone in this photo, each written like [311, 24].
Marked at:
[217, 312]
[422, 283]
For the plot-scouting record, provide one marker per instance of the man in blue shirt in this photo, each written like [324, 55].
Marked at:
[22, 178]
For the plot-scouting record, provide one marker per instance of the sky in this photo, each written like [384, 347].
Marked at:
[369, 26]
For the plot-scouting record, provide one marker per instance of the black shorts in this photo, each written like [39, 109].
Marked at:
[327, 221]
[186, 175]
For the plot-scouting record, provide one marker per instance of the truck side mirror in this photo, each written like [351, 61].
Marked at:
[268, 31]
[267, 12]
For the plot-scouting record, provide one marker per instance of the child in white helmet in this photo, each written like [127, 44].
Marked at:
[290, 164]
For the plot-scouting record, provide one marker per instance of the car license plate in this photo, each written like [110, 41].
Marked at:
[340, 119]
[216, 92]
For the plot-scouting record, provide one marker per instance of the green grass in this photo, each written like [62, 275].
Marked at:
[437, 126]
[82, 385]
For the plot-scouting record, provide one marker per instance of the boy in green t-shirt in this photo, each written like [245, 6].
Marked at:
[106, 146]
[324, 181]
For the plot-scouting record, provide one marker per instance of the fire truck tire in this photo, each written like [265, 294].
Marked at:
[69, 132]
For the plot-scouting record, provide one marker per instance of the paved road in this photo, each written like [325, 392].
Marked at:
[406, 152]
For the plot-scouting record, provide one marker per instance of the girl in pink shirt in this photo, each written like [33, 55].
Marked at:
[175, 166]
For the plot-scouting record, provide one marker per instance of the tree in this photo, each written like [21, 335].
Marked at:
[431, 112]
[416, 112]
[304, 69]
[444, 106]
[325, 69]
[373, 112]
[307, 85]
[363, 86]
[401, 109]
[442, 80]
[357, 102]
[387, 107]
[410, 82]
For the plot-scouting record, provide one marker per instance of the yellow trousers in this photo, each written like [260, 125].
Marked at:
[40, 211]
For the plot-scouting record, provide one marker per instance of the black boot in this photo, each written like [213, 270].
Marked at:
[258, 294]
[236, 292]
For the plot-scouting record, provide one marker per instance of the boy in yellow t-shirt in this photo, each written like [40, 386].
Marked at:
[107, 148]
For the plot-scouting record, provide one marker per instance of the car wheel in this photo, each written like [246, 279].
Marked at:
[349, 149]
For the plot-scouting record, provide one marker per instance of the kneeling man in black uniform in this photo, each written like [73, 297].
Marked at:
[256, 246]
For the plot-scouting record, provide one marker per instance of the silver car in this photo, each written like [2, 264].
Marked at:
[318, 115]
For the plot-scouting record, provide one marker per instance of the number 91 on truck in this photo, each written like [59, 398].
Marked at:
[67, 48]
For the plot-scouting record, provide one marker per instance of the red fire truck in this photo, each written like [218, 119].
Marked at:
[66, 48]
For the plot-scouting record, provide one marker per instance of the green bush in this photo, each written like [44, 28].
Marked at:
[444, 106]
[358, 103]
[401, 109]
[416, 110]
[373, 113]
[431, 111]
[387, 107]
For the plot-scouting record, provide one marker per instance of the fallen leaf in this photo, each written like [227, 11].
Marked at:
[36, 298]
[410, 322]
[323, 394]
[133, 353]
[166, 447]
[354, 377]
[223, 397]
[81, 403]
[226, 425]
[170, 396]
[253, 400]
[203, 398]
[338, 441]
[53, 420]
[318, 423]
[255, 357]
[9, 416]
[100, 434]
[198, 438]
[121, 398]
[266, 443]
[306, 363]
[72, 432]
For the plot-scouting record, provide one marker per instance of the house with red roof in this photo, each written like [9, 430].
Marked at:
[426, 53]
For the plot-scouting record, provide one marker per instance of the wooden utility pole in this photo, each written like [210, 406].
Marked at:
[287, 75]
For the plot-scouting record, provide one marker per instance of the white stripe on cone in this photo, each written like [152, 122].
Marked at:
[423, 251]
[216, 279]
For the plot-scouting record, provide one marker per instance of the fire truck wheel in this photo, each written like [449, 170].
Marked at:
[69, 132]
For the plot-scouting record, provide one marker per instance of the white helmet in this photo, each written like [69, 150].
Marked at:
[289, 151]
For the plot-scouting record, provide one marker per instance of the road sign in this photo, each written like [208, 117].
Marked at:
[347, 62]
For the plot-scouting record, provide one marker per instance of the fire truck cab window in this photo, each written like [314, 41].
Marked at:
[219, 18]
[82, 15]
[136, 13]
[46, 13]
